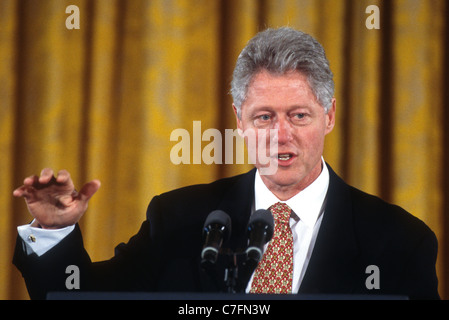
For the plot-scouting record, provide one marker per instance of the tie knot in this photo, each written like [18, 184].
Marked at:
[281, 212]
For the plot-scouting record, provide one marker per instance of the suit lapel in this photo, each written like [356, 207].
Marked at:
[334, 259]
[237, 201]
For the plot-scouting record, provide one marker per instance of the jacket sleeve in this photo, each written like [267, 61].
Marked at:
[47, 272]
[420, 278]
[130, 269]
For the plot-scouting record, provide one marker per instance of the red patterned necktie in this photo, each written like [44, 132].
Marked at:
[274, 273]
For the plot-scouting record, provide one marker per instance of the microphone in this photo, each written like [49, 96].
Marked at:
[217, 229]
[260, 231]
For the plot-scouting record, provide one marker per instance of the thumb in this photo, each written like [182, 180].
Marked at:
[88, 190]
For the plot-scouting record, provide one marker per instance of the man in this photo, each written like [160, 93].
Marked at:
[329, 237]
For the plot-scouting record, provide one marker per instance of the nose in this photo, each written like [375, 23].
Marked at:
[284, 131]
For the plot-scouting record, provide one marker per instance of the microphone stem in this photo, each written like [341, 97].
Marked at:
[231, 274]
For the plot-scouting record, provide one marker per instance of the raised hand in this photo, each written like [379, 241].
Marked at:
[53, 201]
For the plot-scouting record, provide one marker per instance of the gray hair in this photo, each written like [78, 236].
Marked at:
[279, 51]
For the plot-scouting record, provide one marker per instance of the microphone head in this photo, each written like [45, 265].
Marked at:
[262, 218]
[218, 217]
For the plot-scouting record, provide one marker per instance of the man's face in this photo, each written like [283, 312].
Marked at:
[287, 104]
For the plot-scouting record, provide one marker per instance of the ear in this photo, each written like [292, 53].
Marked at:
[330, 117]
[239, 122]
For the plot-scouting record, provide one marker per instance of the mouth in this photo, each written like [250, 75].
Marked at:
[285, 159]
[285, 156]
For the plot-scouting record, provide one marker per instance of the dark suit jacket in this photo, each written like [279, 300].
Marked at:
[357, 230]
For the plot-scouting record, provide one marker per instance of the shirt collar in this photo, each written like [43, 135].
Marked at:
[307, 204]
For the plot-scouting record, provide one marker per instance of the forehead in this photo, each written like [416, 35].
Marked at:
[284, 87]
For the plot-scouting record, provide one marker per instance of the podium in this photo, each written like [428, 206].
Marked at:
[183, 296]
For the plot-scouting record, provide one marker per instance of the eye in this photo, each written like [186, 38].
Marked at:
[301, 118]
[262, 120]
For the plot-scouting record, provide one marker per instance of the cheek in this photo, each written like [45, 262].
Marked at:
[261, 139]
[310, 142]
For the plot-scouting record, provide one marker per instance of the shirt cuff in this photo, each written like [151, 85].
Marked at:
[39, 240]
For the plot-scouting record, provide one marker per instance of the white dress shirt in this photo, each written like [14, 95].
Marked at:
[307, 213]
[39, 240]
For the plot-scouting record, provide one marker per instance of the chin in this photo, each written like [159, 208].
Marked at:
[285, 178]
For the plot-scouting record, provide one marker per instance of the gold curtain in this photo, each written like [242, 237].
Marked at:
[101, 101]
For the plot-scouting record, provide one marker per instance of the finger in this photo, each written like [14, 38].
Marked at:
[88, 190]
[23, 191]
[28, 183]
[46, 176]
[63, 176]
[31, 180]
[19, 192]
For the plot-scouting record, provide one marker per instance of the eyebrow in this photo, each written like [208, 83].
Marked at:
[293, 107]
